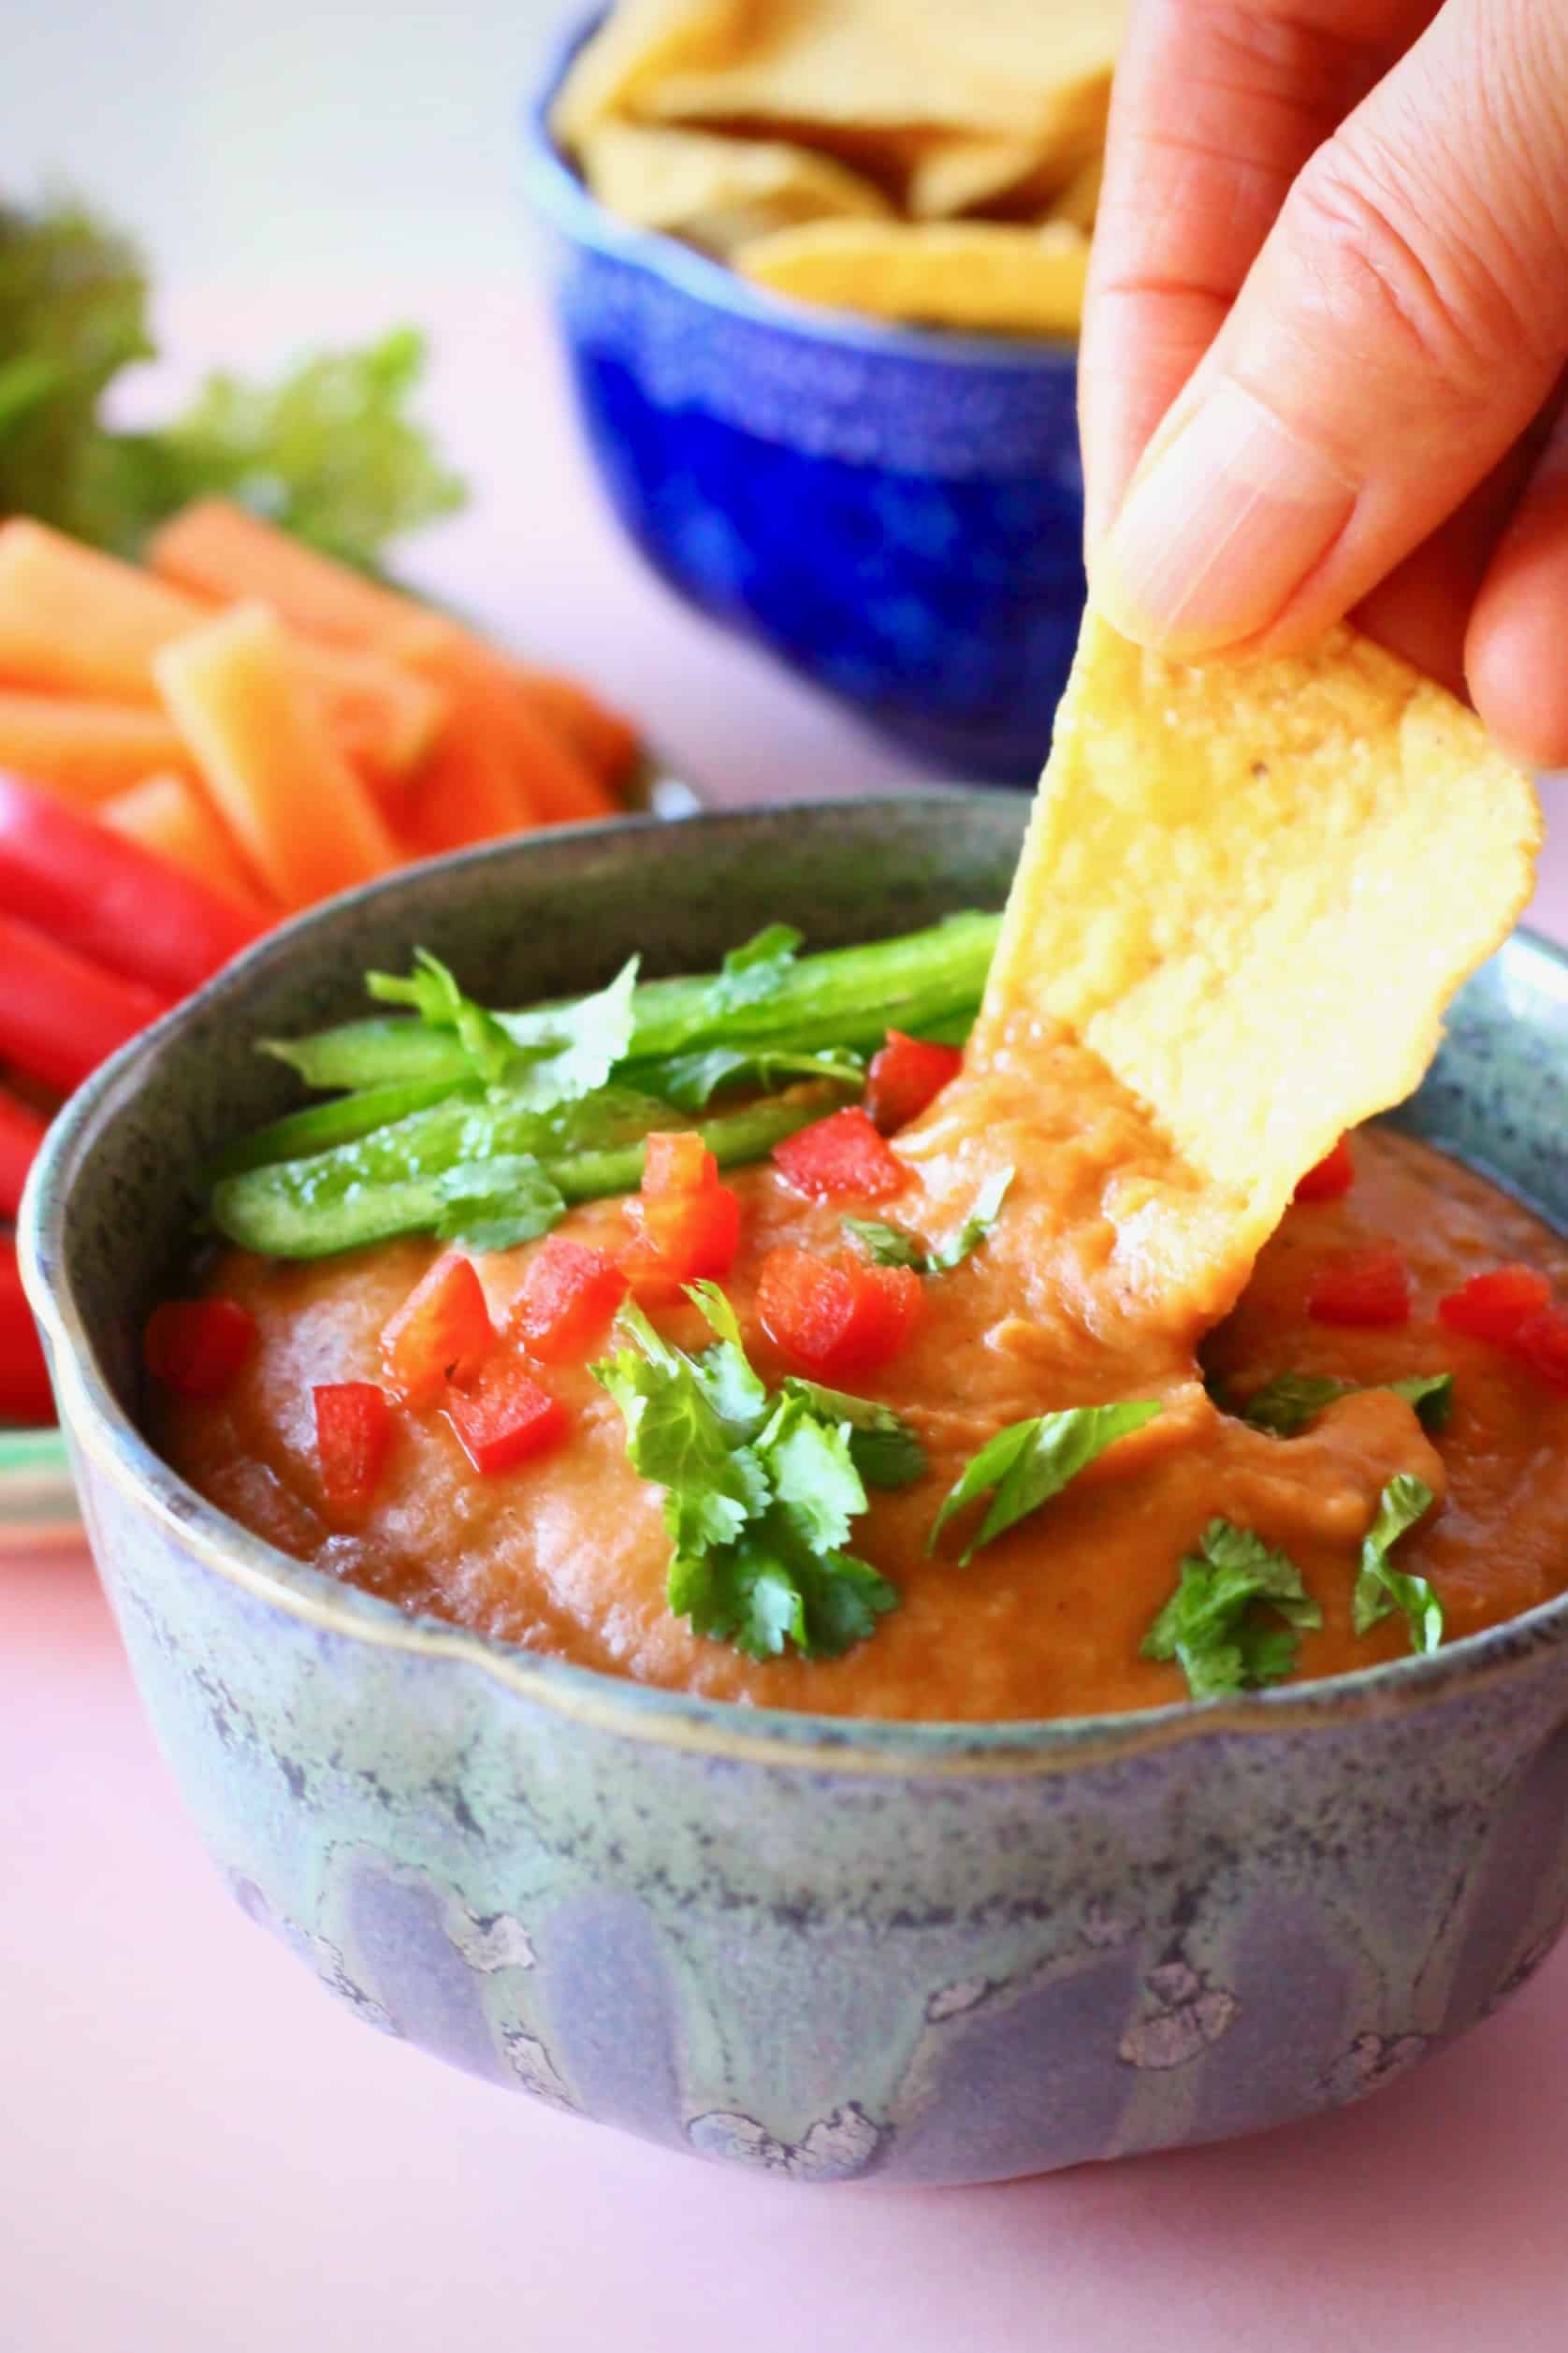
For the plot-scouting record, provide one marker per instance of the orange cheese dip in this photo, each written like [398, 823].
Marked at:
[568, 1553]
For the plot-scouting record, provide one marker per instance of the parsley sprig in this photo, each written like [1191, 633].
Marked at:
[1030, 1461]
[891, 1246]
[761, 1489]
[1232, 1622]
[1286, 1405]
[1381, 1587]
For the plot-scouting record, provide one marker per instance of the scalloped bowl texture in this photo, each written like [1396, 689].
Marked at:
[897, 514]
[828, 1949]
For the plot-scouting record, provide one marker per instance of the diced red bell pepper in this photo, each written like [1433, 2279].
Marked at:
[195, 1347]
[1492, 1306]
[354, 1439]
[907, 1075]
[25, 1390]
[505, 1418]
[109, 899]
[681, 1238]
[1333, 1175]
[21, 1131]
[441, 1333]
[61, 1016]
[841, 1158]
[569, 1294]
[836, 1316]
[676, 1161]
[1541, 1343]
[1361, 1287]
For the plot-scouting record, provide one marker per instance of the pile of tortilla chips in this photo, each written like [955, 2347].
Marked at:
[935, 160]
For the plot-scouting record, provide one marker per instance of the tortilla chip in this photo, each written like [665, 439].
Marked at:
[719, 192]
[638, 42]
[832, 62]
[953, 173]
[984, 275]
[1251, 889]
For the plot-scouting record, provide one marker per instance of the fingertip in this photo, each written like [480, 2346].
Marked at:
[1516, 671]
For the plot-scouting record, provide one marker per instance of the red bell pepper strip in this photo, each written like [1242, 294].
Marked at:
[61, 1016]
[905, 1077]
[505, 1418]
[1333, 1177]
[112, 901]
[1492, 1306]
[836, 1316]
[195, 1347]
[685, 1225]
[841, 1158]
[1361, 1287]
[21, 1131]
[354, 1439]
[1541, 1343]
[441, 1333]
[25, 1390]
[568, 1296]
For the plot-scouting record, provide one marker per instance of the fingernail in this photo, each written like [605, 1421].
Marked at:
[1225, 524]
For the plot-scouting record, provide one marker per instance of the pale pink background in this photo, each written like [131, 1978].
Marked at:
[200, 2154]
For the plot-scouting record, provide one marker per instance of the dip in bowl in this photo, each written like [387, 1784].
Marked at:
[828, 1946]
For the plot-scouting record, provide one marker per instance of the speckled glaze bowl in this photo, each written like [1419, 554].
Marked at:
[897, 514]
[831, 1950]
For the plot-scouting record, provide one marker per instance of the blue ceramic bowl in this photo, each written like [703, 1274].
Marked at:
[897, 514]
[924, 1952]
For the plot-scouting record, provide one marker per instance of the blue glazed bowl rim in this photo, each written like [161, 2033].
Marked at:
[101, 1431]
[563, 200]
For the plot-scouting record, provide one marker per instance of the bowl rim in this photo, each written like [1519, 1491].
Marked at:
[101, 1431]
[564, 200]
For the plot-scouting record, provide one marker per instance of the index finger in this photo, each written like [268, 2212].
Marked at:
[1217, 106]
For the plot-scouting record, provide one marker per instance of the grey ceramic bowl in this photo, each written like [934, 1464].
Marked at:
[927, 1953]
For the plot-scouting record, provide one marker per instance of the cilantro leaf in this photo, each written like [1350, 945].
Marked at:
[676, 1438]
[884, 1447]
[1381, 1587]
[432, 992]
[760, 1492]
[496, 1204]
[755, 970]
[690, 1081]
[1030, 1461]
[1287, 1403]
[891, 1247]
[1212, 1625]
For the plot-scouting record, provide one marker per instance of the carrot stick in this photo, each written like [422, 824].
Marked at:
[298, 810]
[557, 786]
[219, 550]
[467, 791]
[83, 750]
[73, 621]
[174, 819]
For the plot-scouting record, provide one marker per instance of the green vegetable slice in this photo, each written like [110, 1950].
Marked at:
[756, 969]
[1381, 1587]
[1030, 1461]
[1232, 1622]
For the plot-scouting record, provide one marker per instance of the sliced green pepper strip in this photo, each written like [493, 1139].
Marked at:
[924, 982]
[325, 1125]
[386, 1183]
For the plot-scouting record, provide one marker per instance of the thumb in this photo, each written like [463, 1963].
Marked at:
[1404, 321]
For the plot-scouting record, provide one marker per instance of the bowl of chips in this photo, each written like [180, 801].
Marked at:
[818, 267]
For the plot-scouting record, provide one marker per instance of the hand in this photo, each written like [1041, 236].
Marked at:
[1330, 281]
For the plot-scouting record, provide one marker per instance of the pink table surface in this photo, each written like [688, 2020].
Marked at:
[200, 2154]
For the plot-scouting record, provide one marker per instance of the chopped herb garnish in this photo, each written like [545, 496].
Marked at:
[1381, 1587]
[890, 1246]
[755, 970]
[496, 1204]
[760, 1491]
[1286, 1405]
[1223, 1624]
[885, 1450]
[1030, 1461]
[691, 1081]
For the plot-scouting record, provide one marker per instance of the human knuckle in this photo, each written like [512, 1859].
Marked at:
[1390, 263]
